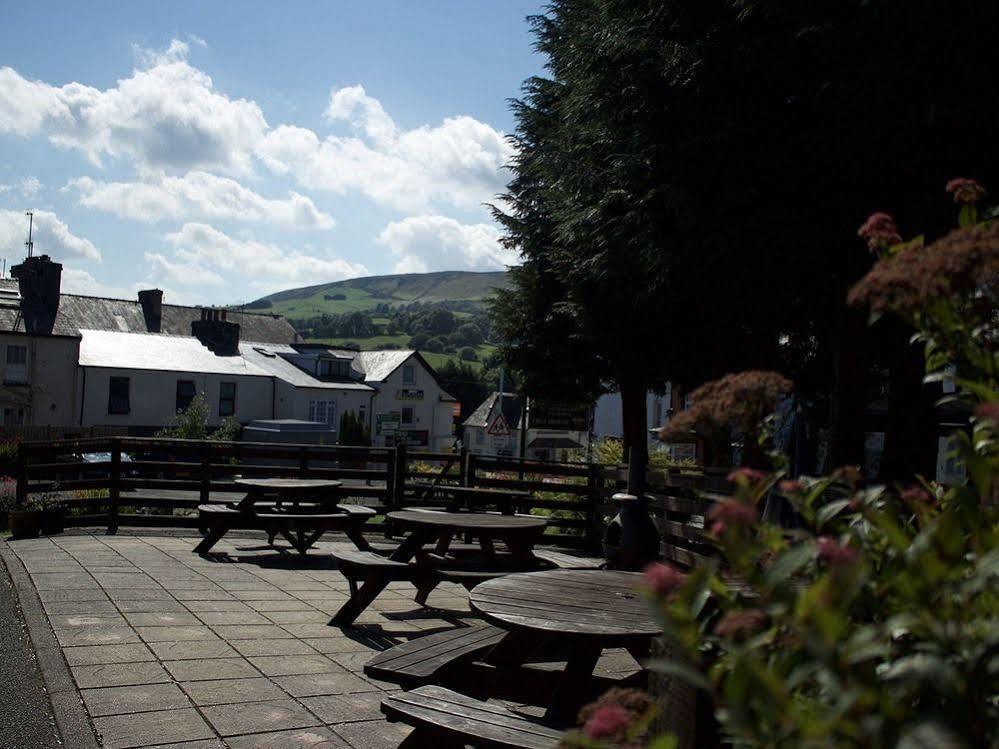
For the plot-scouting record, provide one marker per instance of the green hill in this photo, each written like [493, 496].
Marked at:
[362, 294]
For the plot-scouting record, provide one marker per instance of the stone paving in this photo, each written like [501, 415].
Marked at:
[169, 649]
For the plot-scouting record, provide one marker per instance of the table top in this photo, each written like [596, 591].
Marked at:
[485, 491]
[470, 521]
[303, 485]
[596, 603]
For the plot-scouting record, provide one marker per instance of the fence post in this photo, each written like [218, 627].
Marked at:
[114, 490]
[462, 465]
[22, 476]
[205, 490]
[303, 462]
[470, 471]
[594, 500]
[401, 469]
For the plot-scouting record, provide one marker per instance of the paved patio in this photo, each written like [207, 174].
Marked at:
[169, 649]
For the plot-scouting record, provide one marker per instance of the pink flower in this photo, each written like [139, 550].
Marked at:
[749, 475]
[791, 486]
[916, 494]
[664, 579]
[731, 512]
[880, 231]
[834, 553]
[735, 623]
[988, 411]
[606, 721]
[965, 190]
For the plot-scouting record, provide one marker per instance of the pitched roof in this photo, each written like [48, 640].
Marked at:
[103, 348]
[270, 358]
[376, 366]
[512, 407]
[77, 313]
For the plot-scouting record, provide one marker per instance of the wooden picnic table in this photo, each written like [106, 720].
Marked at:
[470, 497]
[429, 526]
[586, 610]
[300, 510]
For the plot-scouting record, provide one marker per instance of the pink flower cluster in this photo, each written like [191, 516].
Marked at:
[791, 486]
[664, 579]
[607, 721]
[835, 554]
[988, 412]
[619, 716]
[736, 623]
[916, 494]
[730, 513]
[751, 476]
[880, 231]
[965, 190]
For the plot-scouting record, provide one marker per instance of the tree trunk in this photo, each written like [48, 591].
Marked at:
[849, 393]
[634, 428]
[911, 428]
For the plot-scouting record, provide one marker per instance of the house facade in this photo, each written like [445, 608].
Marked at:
[496, 426]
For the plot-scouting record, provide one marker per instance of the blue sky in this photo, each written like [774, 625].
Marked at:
[225, 150]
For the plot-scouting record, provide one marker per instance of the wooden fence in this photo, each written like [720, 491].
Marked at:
[133, 481]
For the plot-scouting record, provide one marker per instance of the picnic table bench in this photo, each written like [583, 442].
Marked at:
[443, 718]
[300, 510]
[374, 572]
[458, 498]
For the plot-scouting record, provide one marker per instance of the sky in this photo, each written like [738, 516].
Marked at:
[227, 150]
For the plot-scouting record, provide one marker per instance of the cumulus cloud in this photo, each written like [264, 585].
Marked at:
[457, 163]
[264, 265]
[166, 115]
[30, 186]
[431, 242]
[78, 281]
[197, 194]
[187, 274]
[51, 237]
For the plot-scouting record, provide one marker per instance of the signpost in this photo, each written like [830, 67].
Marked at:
[562, 417]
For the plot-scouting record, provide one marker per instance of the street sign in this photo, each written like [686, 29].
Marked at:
[499, 427]
[564, 417]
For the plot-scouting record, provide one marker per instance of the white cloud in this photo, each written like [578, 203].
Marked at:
[6, 188]
[30, 186]
[263, 265]
[187, 274]
[77, 281]
[441, 243]
[50, 235]
[166, 115]
[458, 162]
[197, 195]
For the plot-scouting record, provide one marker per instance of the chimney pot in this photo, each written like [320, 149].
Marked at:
[152, 309]
[39, 281]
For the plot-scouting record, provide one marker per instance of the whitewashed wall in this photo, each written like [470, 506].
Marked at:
[49, 396]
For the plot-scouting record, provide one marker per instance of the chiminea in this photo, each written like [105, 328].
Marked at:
[631, 540]
[38, 280]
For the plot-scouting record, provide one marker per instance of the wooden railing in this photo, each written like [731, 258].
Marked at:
[130, 481]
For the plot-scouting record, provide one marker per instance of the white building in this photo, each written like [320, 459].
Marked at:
[495, 427]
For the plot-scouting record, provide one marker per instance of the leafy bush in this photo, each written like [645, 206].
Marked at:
[468, 354]
[192, 424]
[873, 624]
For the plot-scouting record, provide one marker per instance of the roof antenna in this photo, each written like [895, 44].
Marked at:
[31, 220]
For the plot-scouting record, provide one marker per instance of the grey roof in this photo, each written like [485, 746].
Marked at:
[270, 358]
[77, 313]
[512, 408]
[376, 366]
[103, 348]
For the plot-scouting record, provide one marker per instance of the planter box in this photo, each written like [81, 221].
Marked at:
[24, 523]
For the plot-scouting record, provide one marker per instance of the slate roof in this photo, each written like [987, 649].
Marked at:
[512, 408]
[103, 348]
[77, 313]
[376, 366]
[269, 357]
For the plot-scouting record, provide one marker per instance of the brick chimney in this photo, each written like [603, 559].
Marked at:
[216, 333]
[38, 280]
[152, 309]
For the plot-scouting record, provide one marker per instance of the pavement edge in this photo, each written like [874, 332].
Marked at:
[67, 708]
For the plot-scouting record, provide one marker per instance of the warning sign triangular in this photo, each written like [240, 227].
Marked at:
[499, 427]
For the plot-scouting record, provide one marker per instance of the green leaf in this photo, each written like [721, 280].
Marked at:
[829, 511]
[788, 563]
[930, 734]
[683, 671]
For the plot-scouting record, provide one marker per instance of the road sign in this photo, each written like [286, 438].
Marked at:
[499, 427]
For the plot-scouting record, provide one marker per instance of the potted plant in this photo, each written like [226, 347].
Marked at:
[40, 513]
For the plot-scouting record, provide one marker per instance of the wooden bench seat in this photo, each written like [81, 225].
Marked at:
[426, 658]
[448, 719]
[569, 561]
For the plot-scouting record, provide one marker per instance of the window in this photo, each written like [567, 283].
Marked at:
[322, 411]
[227, 398]
[185, 394]
[17, 364]
[480, 436]
[118, 402]
[13, 417]
[408, 374]
[407, 415]
[362, 414]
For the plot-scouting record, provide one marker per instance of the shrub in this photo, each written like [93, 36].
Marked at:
[468, 354]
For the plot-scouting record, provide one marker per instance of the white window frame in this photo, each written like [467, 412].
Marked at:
[323, 411]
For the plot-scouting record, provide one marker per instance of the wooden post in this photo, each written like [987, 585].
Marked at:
[303, 462]
[205, 490]
[470, 471]
[462, 465]
[390, 475]
[114, 489]
[22, 476]
[401, 469]
[593, 500]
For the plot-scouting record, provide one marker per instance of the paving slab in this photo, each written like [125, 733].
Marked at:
[206, 669]
[229, 691]
[149, 729]
[259, 717]
[133, 699]
[119, 674]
